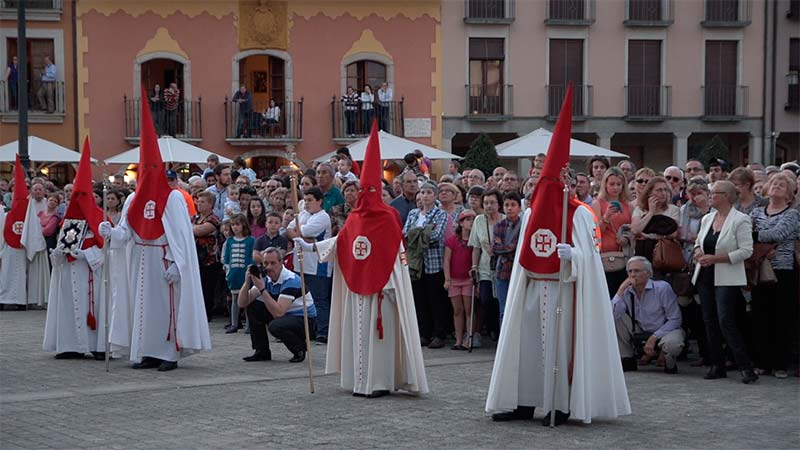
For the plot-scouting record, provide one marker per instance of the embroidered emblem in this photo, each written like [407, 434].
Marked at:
[17, 227]
[596, 239]
[362, 247]
[543, 243]
[403, 259]
[150, 210]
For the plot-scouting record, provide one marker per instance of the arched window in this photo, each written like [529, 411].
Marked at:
[361, 73]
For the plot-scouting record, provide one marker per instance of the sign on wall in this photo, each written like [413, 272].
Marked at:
[419, 128]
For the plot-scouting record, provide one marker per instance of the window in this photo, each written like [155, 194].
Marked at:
[720, 80]
[644, 77]
[566, 65]
[644, 10]
[37, 51]
[793, 77]
[486, 60]
[794, 55]
[486, 9]
[361, 73]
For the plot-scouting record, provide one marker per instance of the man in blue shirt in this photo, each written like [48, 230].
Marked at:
[48, 86]
[646, 307]
[275, 303]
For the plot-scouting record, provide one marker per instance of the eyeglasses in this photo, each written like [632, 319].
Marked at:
[641, 181]
[671, 178]
[448, 191]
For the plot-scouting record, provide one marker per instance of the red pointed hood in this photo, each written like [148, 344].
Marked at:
[371, 236]
[152, 190]
[81, 203]
[543, 230]
[12, 231]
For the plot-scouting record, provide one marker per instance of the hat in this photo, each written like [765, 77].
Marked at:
[172, 175]
[465, 214]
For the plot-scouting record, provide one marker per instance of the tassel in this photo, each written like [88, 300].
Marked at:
[90, 321]
[380, 316]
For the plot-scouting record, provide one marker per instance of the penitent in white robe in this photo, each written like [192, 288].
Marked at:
[25, 272]
[523, 369]
[367, 363]
[149, 314]
[66, 329]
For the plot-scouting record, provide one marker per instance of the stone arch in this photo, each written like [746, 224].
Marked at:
[141, 59]
[287, 59]
[361, 56]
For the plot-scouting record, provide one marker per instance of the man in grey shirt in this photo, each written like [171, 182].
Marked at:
[648, 307]
[408, 201]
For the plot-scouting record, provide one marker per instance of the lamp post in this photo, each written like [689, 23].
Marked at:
[22, 87]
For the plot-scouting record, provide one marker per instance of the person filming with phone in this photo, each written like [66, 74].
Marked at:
[275, 303]
[612, 208]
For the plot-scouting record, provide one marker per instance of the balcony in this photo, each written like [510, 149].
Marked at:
[38, 112]
[488, 11]
[351, 124]
[793, 13]
[649, 13]
[793, 87]
[184, 122]
[648, 103]
[724, 103]
[581, 101]
[35, 10]
[570, 12]
[489, 102]
[255, 128]
[726, 13]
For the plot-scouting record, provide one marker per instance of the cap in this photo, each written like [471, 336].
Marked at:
[465, 214]
[172, 175]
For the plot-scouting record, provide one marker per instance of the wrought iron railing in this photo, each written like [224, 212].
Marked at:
[490, 99]
[649, 13]
[648, 102]
[488, 11]
[581, 100]
[353, 121]
[183, 120]
[726, 13]
[43, 97]
[570, 12]
[724, 101]
[56, 5]
[258, 123]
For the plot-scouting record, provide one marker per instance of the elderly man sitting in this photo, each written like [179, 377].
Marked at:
[646, 314]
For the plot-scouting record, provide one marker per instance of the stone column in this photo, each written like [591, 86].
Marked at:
[756, 153]
[680, 148]
[604, 139]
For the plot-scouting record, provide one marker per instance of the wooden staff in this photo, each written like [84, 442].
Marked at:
[293, 181]
[559, 300]
[105, 277]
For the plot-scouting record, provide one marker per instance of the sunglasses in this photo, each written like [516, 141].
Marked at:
[671, 178]
[641, 181]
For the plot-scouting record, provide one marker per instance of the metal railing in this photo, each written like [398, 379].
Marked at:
[648, 102]
[489, 99]
[43, 97]
[726, 13]
[793, 13]
[653, 13]
[353, 121]
[570, 12]
[256, 124]
[724, 101]
[793, 92]
[55, 5]
[183, 121]
[488, 11]
[581, 100]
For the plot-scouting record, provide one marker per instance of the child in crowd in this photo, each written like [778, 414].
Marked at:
[257, 217]
[237, 255]
[457, 262]
[232, 205]
[345, 167]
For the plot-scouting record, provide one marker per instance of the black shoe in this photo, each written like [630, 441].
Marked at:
[356, 394]
[262, 355]
[69, 355]
[629, 365]
[298, 357]
[521, 413]
[321, 339]
[99, 356]
[715, 372]
[376, 394]
[437, 342]
[671, 370]
[147, 363]
[231, 330]
[22, 307]
[560, 418]
[166, 366]
[748, 376]
[424, 342]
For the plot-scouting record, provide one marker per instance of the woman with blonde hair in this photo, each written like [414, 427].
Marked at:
[655, 217]
[612, 207]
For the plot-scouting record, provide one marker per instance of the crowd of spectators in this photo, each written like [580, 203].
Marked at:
[706, 253]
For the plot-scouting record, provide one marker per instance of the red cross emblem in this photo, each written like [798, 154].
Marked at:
[362, 247]
[543, 243]
[17, 227]
[150, 210]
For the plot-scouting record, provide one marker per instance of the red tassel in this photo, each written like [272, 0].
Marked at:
[90, 321]
[380, 316]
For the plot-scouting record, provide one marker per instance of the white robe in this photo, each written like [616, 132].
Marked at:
[143, 318]
[366, 363]
[523, 367]
[65, 329]
[25, 271]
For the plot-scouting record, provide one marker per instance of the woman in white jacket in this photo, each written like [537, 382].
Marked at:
[725, 240]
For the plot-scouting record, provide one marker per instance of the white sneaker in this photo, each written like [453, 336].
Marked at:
[476, 340]
[781, 374]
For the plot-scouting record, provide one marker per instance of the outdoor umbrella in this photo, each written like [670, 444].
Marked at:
[172, 150]
[538, 141]
[40, 151]
[392, 147]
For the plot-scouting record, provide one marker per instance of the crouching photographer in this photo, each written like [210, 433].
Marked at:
[274, 302]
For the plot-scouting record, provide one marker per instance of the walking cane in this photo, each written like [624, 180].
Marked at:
[105, 280]
[293, 181]
[472, 310]
[562, 267]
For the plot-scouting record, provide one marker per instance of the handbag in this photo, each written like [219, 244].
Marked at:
[668, 256]
[758, 267]
[682, 284]
[613, 261]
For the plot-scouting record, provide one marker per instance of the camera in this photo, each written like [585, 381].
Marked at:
[255, 270]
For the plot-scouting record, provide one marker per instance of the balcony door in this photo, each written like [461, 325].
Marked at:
[644, 78]
[366, 72]
[486, 61]
[720, 79]
[566, 65]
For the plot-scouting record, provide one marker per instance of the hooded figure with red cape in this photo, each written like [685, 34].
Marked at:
[24, 270]
[75, 322]
[373, 338]
[158, 313]
[557, 342]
